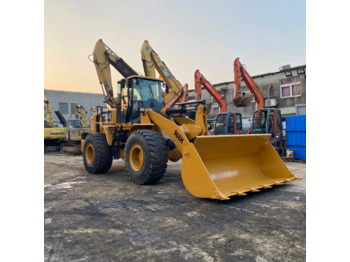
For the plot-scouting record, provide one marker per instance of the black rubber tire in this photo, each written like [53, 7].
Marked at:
[155, 156]
[102, 160]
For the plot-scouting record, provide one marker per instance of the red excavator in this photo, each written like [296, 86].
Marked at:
[226, 122]
[265, 120]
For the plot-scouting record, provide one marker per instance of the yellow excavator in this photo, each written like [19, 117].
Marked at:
[52, 134]
[77, 129]
[139, 129]
[151, 63]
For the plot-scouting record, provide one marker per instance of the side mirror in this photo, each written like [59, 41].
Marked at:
[166, 88]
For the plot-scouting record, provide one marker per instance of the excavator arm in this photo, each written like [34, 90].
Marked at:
[81, 112]
[103, 57]
[185, 94]
[48, 112]
[200, 82]
[241, 73]
[152, 62]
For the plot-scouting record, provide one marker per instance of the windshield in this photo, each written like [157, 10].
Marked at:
[220, 124]
[231, 127]
[259, 122]
[147, 94]
[74, 123]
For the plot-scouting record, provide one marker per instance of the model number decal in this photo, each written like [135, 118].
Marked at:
[178, 136]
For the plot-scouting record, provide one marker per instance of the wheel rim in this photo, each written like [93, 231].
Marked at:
[89, 153]
[136, 157]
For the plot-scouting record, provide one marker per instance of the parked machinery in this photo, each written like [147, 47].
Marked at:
[52, 134]
[139, 129]
[226, 122]
[265, 120]
[77, 129]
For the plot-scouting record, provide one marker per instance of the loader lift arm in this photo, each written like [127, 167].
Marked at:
[242, 101]
[200, 82]
[103, 57]
[152, 62]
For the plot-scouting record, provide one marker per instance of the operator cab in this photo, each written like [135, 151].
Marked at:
[134, 93]
[229, 123]
[264, 121]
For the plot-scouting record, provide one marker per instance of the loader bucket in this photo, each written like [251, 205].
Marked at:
[218, 167]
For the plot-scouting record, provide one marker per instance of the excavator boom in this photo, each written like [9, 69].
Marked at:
[242, 101]
[185, 94]
[152, 62]
[200, 81]
[103, 57]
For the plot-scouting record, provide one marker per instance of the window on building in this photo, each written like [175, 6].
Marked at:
[290, 87]
[213, 102]
[72, 107]
[63, 107]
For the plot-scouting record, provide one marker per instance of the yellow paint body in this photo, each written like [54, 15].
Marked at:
[54, 133]
[222, 166]
[218, 167]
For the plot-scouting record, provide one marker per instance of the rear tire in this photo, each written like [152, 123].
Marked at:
[97, 154]
[146, 157]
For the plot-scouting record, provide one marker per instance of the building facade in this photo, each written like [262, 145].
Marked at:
[285, 89]
[65, 102]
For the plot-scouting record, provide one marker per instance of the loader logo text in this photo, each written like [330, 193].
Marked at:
[178, 136]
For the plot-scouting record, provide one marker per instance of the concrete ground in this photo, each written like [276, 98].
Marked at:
[108, 218]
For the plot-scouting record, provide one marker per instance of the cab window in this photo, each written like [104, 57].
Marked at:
[220, 125]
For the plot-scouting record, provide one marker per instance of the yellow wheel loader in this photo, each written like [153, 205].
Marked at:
[137, 128]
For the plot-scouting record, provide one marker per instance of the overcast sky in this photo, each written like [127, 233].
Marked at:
[187, 35]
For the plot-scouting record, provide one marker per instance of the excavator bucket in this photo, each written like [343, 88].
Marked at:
[218, 167]
[243, 101]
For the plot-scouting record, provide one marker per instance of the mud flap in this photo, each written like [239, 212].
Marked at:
[218, 167]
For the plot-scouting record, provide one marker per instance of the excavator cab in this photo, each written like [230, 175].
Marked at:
[229, 123]
[269, 121]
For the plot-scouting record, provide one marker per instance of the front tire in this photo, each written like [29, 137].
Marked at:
[146, 157]
[97, 154]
